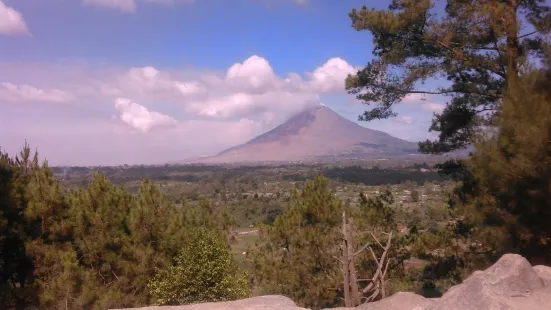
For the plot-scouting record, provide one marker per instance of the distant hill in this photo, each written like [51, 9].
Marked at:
[315, 134]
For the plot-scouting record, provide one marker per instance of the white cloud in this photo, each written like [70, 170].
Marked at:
[243, 104]
[433, 107]
[248, 87]
[140, 118]
[254, 73]
[414, 98]
[127, 6]
[12, 22]
[23, 92]
[331, 75]
[223, 108]
[168, 1]
[150, 81]
[404, 119]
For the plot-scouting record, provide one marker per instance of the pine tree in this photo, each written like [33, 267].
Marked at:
[16, 266]
[298, 257]
[508, 200]
[478, 46]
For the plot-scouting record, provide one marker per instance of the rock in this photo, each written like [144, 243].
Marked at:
[544, 272]
[271, 302]
[509, 284]
[399, 301]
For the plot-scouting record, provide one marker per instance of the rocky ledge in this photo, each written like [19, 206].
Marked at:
[511, 283]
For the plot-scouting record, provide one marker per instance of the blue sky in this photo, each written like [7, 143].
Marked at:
[147, 81]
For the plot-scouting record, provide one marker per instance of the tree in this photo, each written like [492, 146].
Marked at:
[376, 285]
[478, 46]
[415, 196]
[296, 258]
[95, 247]
[310, 252]
[204, 271]
[16, 267]
[508, 192]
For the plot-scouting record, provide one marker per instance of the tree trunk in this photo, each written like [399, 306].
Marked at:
[354, 290]
[345, 262]
[512, 28]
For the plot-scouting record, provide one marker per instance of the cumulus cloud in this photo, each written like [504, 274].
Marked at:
[223, 108]
[150, 81]
[433, 107]
[127, 6]
[245, 88]
[254, 73]
[140, 118]
[331, 75]
[243, 104]
[11, 21]
[23, 92]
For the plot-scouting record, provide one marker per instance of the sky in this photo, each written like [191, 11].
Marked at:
[110, 82]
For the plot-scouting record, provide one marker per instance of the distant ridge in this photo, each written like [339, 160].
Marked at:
[314, 134]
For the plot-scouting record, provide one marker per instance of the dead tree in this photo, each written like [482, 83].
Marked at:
[376, 285]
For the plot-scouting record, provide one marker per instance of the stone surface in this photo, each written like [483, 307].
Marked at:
[510, 284]
[272, 302]
[544, 272]
[399, 301]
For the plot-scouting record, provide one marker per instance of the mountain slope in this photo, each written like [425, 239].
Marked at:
[315, 134]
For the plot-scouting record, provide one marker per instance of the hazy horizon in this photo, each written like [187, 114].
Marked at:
[99, 82]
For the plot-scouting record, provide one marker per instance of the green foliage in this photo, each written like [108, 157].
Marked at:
[511, 172]
[376, 212]
[477, 45]
[415, 196]
[15, 263]
[297, 258]
[204, 271]
[95, 247]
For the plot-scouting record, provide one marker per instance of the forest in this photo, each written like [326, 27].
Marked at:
[325, 236]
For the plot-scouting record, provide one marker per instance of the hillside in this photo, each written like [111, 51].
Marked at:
[315, 134]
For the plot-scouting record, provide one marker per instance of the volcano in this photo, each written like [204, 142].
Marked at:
[317, 133]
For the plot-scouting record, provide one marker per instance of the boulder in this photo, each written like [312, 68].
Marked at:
[399, 301]
[544, 272]
[271, 302]
[510, 284]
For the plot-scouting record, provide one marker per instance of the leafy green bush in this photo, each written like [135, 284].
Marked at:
[204, 272]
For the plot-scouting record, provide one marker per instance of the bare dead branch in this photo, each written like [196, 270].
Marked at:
[361, 250]
[376, 240]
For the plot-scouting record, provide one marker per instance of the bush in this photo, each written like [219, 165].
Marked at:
[204, 272]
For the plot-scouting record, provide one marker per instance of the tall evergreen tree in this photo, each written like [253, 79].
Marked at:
[16, 267]
[298, 257]
[478, 46]
[509, 198]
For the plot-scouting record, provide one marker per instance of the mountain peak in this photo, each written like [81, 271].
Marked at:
[313, 133]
